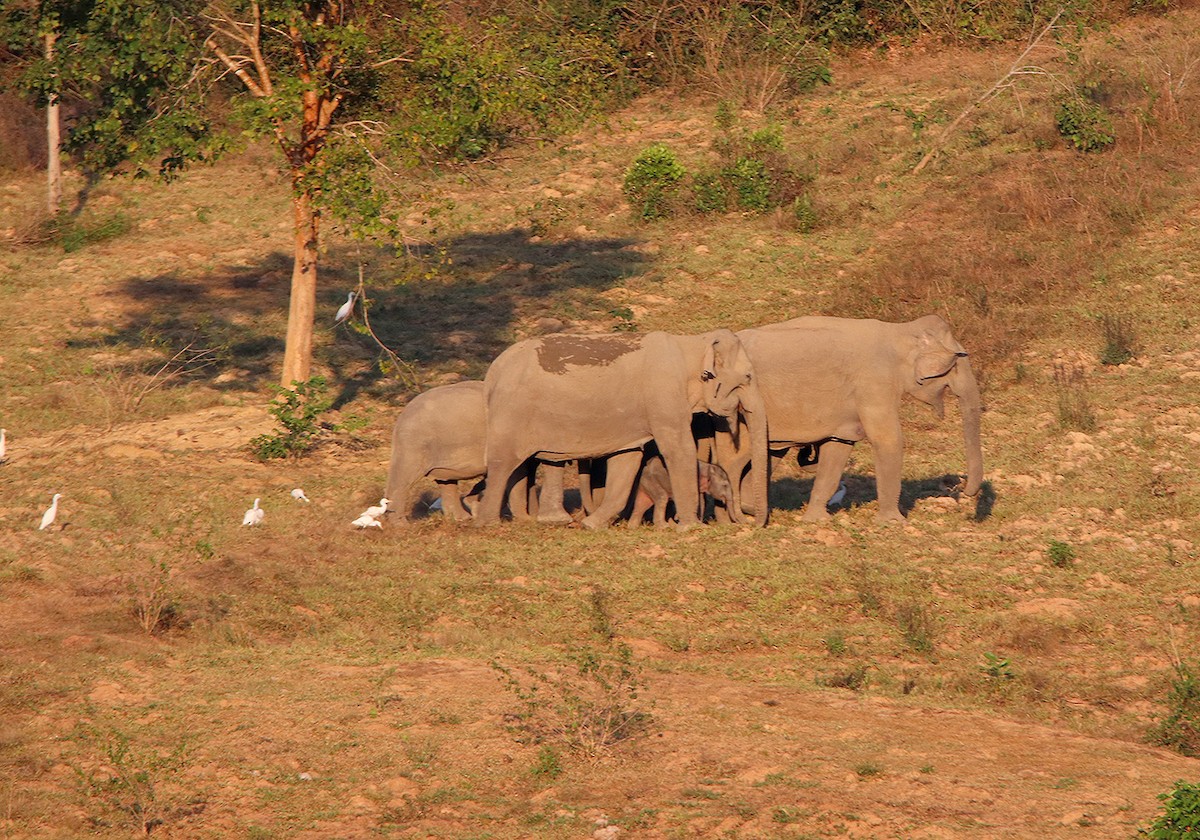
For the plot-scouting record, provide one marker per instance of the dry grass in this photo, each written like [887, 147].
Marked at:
[315, 681]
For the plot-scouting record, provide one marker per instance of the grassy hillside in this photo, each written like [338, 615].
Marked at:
[994, 669]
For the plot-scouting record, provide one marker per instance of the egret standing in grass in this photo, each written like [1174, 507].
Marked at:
[299, 496]
[51, 512]
[344, 312]
[365, 521]
[254, 516]
[378, 510]
[2, 447]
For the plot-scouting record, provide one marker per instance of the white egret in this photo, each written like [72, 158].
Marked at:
[365, 521]
[838, 495]
[254, 516]
[344, 312]
[51, 512]
[2, 447]
[299, 496]
[377, 510]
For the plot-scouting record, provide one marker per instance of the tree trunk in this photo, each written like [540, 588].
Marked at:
[53, 160]
[297, 352]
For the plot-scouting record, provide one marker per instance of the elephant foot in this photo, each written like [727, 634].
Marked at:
[594, 524]
[560, 517]
[815, 513]
[886, 516]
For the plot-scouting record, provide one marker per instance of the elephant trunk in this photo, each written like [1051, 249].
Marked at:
[964, 386]
[755, 413]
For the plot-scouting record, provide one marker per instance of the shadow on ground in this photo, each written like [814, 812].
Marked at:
[794, 493]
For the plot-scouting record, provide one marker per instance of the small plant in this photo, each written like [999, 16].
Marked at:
[1180, 729]
[296, 409]
[1180, 819]
[868, 769]
[835, 643]
[804, 213]
[917, 626]
[712, 196]
[588, 711]
[547, 765]
[1074, 405]
[652, 182]
[1084, 122]
[153, 604]
[1119, 340]
[996, 667]
[624, 316]
[602, 624]
[125, 783]
[1060, 554]
[855, 679]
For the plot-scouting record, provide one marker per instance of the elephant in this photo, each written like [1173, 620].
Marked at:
[441, 434]
[564, 396]
[654, 489]
[830, 382]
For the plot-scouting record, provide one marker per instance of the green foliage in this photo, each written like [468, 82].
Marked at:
[996, 667]
[548, 764]
[835, 643]
[652, 182]
[1180, 729]
[756, 174]
[1084, 122]
[1060, 554]
[917, 626]
[1074, 404]
[73, 233]
[805, 213]
[296, 409]
[126, 782]
[1180, 818]
[588, 711]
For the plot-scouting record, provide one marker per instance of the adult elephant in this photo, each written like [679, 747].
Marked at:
[564, 397]
[831, 382]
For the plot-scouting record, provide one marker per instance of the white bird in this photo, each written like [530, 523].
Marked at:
[51, 512]
[299, 496]
[365, 521]
[254, 516]
[344, 312]
[2, 433]
[377, 510]
[838, 495]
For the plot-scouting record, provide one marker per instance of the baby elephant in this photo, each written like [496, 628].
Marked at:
[654, 489]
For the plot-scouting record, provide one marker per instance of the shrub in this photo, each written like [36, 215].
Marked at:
[652, 182]
[1119, 340]
[1180, 818]
[1084, 123]
[1180, 729]
[296, 410]
[755, 174]
[1074, 405]
[1060, 554]
[804, 213]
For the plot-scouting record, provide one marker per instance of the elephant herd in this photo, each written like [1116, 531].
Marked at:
[816, 382]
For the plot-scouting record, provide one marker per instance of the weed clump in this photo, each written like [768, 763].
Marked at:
[755, 175]
[652, 182]
[1060, 554]
[1074, 405]
[1119, 340]
[1180, 729]
[1084, 122]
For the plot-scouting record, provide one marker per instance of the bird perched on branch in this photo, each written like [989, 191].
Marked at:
[254, 516]
[344, 312]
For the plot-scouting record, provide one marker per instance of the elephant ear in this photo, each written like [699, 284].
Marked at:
[709, 369]
[936, 357]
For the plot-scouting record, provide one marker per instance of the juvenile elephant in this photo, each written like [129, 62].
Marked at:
[654, 489]
[564, 397]
[441, 434]
[831, 382]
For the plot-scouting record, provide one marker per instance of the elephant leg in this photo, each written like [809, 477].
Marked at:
[500, 469]
[550, 498]
[641, 504]
[520, 492]
[622, 472]
[680, 457]
[734, 460]
[830, 467]
[591, 482]
[452, 505]
[887, 442]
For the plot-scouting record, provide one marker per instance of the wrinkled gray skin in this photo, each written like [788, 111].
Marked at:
[845, 378]
[441, 434]
[654, 489]
[565, 397]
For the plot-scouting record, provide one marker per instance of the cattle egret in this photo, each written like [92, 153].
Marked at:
[838, 495]
[254, 516]
[51, 512]
[377, 510]
[365, 521]
[344, 312]
[2, 433]
[299, 496]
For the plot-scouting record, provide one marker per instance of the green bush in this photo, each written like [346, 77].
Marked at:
[1180, 729]
[804, 213]
[652, 182]
[756, 174]
[1180, 819]
[1084, 123]
[712, 196]
[296, 410]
